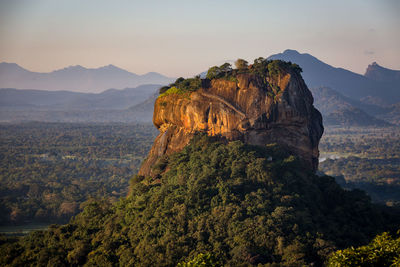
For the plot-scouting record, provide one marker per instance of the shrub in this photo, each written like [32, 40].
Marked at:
[241, 64]
[223, 71]
[384, 250]
[201, 260]
[181, 86]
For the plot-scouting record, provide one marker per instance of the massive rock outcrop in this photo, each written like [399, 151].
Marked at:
[274, 109]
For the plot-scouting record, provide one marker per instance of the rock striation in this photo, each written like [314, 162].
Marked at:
[274, 109]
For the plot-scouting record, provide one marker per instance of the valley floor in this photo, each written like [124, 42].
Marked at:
[365, 158]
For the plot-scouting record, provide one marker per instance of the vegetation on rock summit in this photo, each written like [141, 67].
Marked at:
[261, 67]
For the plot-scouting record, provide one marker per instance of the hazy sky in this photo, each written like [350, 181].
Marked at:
[183, 38]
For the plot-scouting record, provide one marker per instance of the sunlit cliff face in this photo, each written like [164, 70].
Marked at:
[279, 110]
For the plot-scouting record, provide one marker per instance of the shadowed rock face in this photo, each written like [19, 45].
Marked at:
[279, 111]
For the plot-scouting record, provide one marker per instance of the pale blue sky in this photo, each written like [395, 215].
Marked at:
[183, 38]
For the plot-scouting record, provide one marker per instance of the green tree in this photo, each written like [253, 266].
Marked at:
[226, 67]
[216, 72]
[213, 72]
[241, 64]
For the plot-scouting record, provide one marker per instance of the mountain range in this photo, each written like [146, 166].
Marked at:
[341, 110]
[344, 98]
[66, 100]
[381, 74]
[127, 105]
[76, 78]
[317, 73]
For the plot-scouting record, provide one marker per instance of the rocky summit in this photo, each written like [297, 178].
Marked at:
[258, 107]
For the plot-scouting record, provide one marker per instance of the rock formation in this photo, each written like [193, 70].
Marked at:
[275, 109]
[378, 73]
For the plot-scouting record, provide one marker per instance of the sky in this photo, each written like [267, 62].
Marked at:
[184, 38]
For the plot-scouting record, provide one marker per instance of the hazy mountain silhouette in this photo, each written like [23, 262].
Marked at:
[76, 78]
[145, 109]
[327, 100]
[337, 109]
[65, 100]
[378, 73]
[336, 91]
[317, 73]
[352, 116]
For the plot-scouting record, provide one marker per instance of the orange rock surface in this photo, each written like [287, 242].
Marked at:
[279, 110]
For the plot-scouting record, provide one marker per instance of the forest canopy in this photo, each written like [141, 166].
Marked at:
[239, 203]
[47, 170]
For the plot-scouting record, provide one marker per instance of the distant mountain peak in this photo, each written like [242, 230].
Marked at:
[11, 66]
[377, 66]
[152, 74]
[374, 66]
[8, 64]
[111, 67]
[291, 52]
[297, 57]
[72, 67]
[378, 73]
[317, 73]
[76, 78]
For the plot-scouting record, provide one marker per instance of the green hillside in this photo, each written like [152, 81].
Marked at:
[243, 205]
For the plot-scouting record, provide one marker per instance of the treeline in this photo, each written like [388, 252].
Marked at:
[47, 170]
